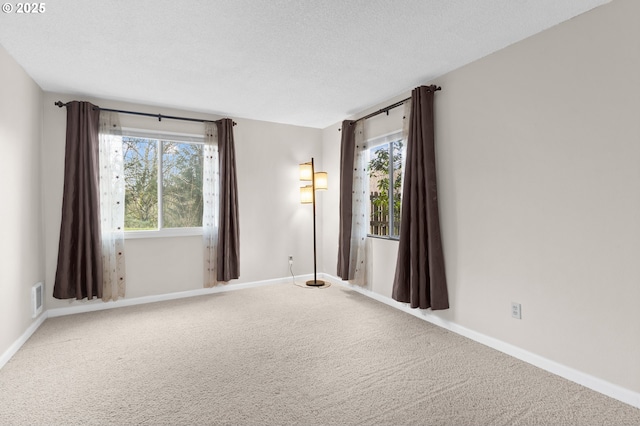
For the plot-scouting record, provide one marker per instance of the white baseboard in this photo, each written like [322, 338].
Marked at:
[15, 347]
[602, 386]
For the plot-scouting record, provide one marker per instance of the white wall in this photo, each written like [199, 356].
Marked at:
[273, 225]
[538, 150]
[21, 245]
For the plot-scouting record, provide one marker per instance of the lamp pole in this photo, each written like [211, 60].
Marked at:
[315, 281]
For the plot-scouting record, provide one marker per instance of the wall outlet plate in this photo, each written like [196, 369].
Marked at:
[516, 310]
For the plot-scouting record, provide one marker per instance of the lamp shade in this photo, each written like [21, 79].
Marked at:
[306, 171]
[306, 194]
[322, 180]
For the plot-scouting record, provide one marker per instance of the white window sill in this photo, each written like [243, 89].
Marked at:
[163, 233]
[384, 237]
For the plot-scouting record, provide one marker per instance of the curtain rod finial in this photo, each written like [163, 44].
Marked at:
[59, 104]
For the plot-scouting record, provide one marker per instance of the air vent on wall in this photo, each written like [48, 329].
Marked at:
[36, 299]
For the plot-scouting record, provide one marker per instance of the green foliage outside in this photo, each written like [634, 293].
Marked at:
[181, 184]
[379, 175]
[141, 183]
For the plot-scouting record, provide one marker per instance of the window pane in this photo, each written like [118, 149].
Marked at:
[141, 183]
[378, 169]
[398, 162]
[385, 168]
[181, 184]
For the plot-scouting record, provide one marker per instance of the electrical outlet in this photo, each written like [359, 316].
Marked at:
[290, 260]
[516, 310]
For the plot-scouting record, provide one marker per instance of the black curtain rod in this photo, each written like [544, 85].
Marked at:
[390, 107]
[146, 114]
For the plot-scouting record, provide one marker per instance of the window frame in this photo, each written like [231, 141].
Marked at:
[387, 139]
[162, 136]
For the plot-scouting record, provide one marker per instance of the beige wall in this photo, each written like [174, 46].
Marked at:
[538, 150]
[273, 225]
[21, 244]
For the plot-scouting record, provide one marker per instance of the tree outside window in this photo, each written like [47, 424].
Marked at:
[385, 185]
[163, 183]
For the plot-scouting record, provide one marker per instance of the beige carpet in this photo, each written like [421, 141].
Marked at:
[280, 355]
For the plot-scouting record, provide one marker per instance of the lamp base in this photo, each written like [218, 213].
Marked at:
[315, 283]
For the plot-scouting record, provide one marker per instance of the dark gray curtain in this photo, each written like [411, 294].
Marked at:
[79, 271]
[347, 152]
[420, 275]
[228, 231]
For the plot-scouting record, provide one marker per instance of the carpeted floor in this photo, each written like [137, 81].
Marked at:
[280, 355]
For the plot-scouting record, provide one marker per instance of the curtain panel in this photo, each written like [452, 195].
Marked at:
[228, 256]
[211, 207]
[112, 191]
[79, 266]
[347, 156]
[359, 249]
[352, 243]
[420, 273]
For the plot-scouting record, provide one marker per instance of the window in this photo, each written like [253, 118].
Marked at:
[163, 182]
[385, 166]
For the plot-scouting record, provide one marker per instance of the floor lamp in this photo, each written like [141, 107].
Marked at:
[308, 196]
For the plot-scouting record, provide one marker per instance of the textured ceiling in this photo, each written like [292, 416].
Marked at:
[309, 63]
